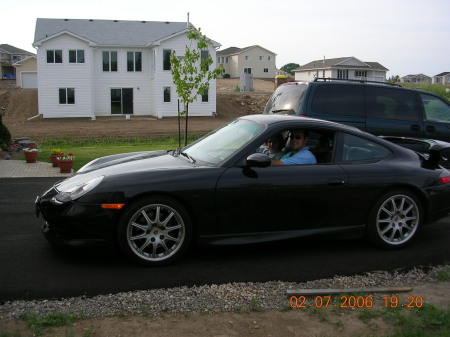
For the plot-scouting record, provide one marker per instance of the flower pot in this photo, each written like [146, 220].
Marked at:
[65, 166]
[31, 156]
[54, 159]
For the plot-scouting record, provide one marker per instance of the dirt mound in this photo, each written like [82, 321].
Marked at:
[17, 106]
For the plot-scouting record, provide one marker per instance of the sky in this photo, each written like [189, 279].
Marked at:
[405, 36]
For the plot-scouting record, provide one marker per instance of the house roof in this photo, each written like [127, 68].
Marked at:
[6, 48]
[109, 32]
[337, 63]
[236, 50]
[416, 76]
[442, 74]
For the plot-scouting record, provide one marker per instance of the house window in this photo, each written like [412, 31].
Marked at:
[218, 59]
[360, 73]
[343, 74]
[266, 70]
[166, 59]
[166, 94]
[122, 101]
[76, 56]
[204, 54]
[66, 95]
[247, 70]
[134, 61]
[109, 61]
[205, 96]
[261, 58]
[16, 58]
[54, 56]
[247, 57]
[269, 58]
[226, 60]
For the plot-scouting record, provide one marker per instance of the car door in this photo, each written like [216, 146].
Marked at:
[282, 198]
[436, 117]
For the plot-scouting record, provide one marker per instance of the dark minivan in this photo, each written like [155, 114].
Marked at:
[378, 108]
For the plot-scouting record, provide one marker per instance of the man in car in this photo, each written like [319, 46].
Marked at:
[300, 153]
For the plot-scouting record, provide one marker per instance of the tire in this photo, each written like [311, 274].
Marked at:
[394, 220]
[154, 231]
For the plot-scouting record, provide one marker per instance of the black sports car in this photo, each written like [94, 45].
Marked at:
[222, 189]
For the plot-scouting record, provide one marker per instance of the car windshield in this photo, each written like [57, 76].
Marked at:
[286, 99]
[222, 143]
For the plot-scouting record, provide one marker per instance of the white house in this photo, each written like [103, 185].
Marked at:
[343, 68]
[90, 68]
[254, 60]
[415, 78]
[442, 78]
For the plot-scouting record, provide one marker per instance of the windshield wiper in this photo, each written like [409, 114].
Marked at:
[192, 160]
[289, 111]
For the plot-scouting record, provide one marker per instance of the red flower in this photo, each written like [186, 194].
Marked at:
[70, 154]
[31, 146]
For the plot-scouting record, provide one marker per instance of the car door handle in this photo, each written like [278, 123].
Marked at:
[415, 127]
[336, 182]
[430, 128]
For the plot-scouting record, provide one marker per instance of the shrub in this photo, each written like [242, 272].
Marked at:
[5, 135]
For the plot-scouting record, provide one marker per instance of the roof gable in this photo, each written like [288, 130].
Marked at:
[342, 62]
[108, 32]
[235, 50]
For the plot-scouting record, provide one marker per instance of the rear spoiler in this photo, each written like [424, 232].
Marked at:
[436, 148]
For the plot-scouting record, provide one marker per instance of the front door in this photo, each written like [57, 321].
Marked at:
[122, 101]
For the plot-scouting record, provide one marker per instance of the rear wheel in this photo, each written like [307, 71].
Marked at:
[155, 231]
[395, 219]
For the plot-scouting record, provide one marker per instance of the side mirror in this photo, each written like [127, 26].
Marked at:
[258, 160]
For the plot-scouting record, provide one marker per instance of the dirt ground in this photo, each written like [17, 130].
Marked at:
[17, 106]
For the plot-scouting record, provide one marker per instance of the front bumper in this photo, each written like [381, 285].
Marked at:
[76, 224]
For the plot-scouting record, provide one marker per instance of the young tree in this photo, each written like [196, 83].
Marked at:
[191, 73]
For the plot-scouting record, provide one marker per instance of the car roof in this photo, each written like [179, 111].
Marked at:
[301, 121]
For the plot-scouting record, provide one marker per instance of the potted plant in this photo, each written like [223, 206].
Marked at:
[54, 156]
[65, 162]
[31, 154]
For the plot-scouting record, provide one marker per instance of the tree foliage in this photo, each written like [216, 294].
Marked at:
[289, 67]
[191, 72]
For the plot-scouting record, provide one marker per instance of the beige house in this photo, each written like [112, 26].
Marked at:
[349, 68]
[26, 73]
[9, 55]
[416, 78]
[254, 60]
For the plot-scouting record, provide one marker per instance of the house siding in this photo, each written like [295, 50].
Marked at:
[52, 76]
[93, 85]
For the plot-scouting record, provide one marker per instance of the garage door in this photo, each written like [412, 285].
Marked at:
[29, 81]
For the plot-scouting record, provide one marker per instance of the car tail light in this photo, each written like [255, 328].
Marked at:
[444, 180]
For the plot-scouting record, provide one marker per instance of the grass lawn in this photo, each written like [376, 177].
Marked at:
[85, 151]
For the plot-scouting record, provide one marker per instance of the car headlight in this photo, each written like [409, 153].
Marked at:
[69, 192]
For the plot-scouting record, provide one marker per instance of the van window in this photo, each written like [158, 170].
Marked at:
[286, 99]
[346, 100]
[435, 109]
[392, 103]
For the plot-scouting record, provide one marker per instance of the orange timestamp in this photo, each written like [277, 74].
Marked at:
[350, 301]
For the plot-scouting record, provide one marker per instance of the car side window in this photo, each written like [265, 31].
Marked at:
[338, 99]
[435, 108]
[360, 149]
[392, 103]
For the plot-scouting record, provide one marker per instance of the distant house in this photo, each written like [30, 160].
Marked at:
[442, 78]
[343, 68]
[90, 68]
[418, 78]
[8, 56]
[26, 73]
[254, 60]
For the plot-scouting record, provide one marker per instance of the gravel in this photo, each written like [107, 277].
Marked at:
[210, 298]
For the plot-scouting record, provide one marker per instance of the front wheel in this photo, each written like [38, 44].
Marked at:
[154, 231]
[394, 220]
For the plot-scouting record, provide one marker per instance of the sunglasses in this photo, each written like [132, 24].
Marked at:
[296, 136]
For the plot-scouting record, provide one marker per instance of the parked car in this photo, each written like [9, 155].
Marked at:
[221, 190]
[378, 108]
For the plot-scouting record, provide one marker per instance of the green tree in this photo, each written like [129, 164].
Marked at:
[289, 67]
[191, 73]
